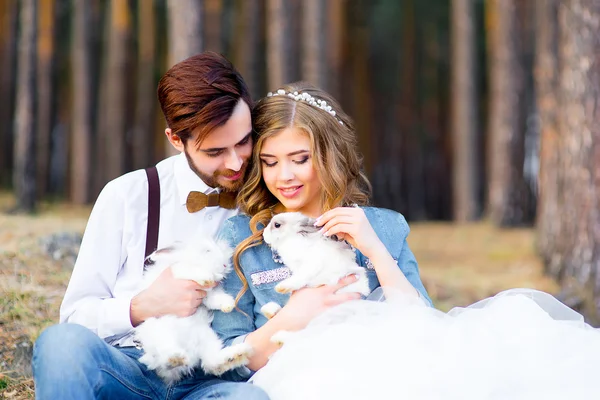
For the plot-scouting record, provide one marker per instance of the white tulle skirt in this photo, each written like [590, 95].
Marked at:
[520, 344]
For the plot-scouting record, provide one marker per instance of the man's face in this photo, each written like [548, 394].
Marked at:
[221, 160]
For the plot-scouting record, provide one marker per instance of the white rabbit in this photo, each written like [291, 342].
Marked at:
[312, 258]
[174, 346]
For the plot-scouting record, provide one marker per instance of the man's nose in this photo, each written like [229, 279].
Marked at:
[233, 161]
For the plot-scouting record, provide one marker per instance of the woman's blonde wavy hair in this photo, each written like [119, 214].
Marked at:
[335, 158]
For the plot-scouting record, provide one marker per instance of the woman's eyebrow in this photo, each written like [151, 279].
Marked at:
[293, 153]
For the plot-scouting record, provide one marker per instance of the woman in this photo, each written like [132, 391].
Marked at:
[305, 160]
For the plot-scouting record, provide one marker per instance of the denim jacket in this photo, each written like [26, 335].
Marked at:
[262, 272]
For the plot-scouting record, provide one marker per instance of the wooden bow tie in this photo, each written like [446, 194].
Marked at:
[196, 201]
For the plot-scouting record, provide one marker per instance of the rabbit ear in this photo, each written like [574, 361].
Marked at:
[157, 254]
[307, 227]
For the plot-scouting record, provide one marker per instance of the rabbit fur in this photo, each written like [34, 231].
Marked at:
[174, 346]
[312, 258]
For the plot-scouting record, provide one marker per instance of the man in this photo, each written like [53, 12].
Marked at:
[206, 105]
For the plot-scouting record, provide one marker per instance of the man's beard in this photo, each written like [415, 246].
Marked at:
[213, 180]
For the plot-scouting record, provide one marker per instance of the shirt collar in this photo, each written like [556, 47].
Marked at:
[187, 181]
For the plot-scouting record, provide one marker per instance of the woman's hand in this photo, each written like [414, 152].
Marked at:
[351, 224]
[307, 303]
[303, 305]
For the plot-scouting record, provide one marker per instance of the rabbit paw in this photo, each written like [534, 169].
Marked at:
[280, 337]
[283, 289]
[270, 309]
[229, 358]
[227, 305]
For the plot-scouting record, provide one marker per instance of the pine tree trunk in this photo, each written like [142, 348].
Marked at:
[248, 46]
[314, 43]
[509, 200]
[143, 136]
[336, 25]
[213, 10]
[24, 175]
[185, 29]
[184, 22]
[8, 34]
[45, 92]
[464, 107]
[550, 192]
[279, 69]
[579, 124]
[82, 127]
[116, 89]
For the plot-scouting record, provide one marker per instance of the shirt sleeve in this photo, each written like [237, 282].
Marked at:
[408, 264]
[89, 299]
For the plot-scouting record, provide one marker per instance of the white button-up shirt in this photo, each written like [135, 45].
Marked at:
[110, 264]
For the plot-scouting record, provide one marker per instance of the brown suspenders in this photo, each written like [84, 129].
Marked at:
[153, 210]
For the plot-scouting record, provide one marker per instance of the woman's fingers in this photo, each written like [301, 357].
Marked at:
[341, 219]
[341, 229]
[336, 212]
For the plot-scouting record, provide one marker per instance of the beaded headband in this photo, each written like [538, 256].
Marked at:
[307, 98]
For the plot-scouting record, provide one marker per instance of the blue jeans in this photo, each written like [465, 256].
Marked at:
[71, 362]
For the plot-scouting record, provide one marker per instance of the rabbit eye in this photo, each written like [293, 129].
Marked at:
[277, 225]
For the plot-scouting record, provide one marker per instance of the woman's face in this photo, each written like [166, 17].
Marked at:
[288, 172]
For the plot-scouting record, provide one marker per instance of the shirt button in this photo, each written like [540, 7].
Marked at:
[210, 217]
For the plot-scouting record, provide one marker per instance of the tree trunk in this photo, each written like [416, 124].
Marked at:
[45, 92]
[464, 111]
[279, 27]
[143, 136]
[82, 127]
[213, 10]
[336, 25]
[579, 124]
[185, 35]
[547, 87]
[116, 82]
[185, 29]
[509, 201]
[314, 43]
[248, 46]
[8, 48]
[24, 175]
[356, 55]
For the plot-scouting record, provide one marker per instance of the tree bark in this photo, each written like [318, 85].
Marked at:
[336, 25]
[185, 29]
[248, 46]
[547, 87]
[8, 48]
[45, 92]
[143, 136]
[82, 126]
[213, 10]
[24, 175]
[116, 82]
[185, 35]
[509, 200]
[279, 69]
[314, 43]
[579, 124]
[464, 115]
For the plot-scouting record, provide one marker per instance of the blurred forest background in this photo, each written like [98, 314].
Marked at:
[466, 109]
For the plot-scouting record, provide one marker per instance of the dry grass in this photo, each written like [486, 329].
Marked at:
[460, 264]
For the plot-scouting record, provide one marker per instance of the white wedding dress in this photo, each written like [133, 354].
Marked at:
[521, 344]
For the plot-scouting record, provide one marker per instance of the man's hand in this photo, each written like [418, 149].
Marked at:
[166, 295]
